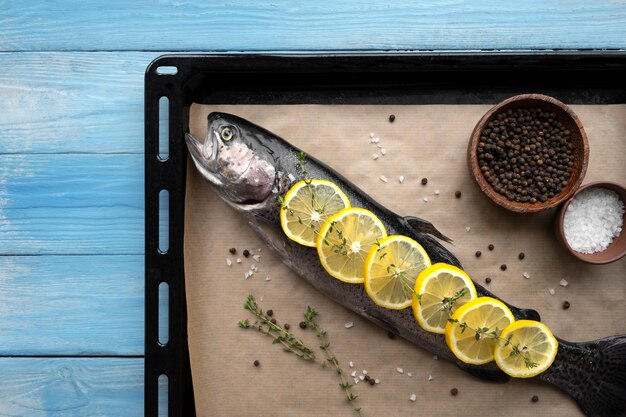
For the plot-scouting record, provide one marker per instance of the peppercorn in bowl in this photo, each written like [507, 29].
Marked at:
[528, 153]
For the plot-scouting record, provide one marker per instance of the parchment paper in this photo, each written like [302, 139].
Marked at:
[425, 141]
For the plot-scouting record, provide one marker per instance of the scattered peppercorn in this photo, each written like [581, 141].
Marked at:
[535, 398]
[246, 253]
[424, 181]
[478, 253]
[232, 251]
[566, 305]
[503, 267]
[270, 313]
[454, 391]
[257, 363]
[457, 194]
[391, 335]
[367, 377]
[302, 325]
[487, 280]
[372, 381]
[392, 117]
[490, 247]
[273, 321]
[521, 256]
[286, 326]
[526, 155]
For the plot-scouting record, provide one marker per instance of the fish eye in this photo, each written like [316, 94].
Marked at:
[226, 133]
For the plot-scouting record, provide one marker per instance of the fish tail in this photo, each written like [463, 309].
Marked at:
[594, 374]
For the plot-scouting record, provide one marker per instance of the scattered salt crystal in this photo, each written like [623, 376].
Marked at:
[356, 380]
[410, 374]
[364, 372]
[261, 298]
[353, 374]
[377, 381]
[563, 283]
[400, 370]
[383, 178]
[467, 228]
[593, 218]
[436, 192]
[361, 377]
[375, 157]
[430, 377]
[425, 199]
[383, 151]
[348, 324]
[229, 262]
[401, 179]
[373, 140]
[259, 250]
[551, 291]
[253, 268]
[379, 146]
[526, 275]
[413, 397]
[291, 177]
[372, 134]
[246, 275]
[351, 364]
[256, 258]
[238, 260]
[267, 278]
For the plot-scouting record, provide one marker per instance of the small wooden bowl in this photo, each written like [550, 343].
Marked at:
[617, 248]
[564, 115]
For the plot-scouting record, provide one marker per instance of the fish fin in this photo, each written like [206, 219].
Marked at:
[488, 372]
[594, 374]
[423, 226]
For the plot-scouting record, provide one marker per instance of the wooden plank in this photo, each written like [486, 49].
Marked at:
[71, 204]
[72, 102]
[71, 387]
[71, 305]
[283, 25]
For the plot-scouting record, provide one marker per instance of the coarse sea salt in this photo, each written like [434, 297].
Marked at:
[593, 219]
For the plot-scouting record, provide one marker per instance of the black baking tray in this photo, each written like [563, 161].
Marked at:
[574, 77]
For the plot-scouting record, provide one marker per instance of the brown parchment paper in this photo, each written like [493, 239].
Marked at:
[424, 141]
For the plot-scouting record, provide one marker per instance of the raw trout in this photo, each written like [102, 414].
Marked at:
[250, 167]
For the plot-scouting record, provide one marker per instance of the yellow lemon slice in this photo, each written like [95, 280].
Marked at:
[526, 349]
[344, 241]
[306, 206]
[439, 291]
[470, 333]
[391, 268]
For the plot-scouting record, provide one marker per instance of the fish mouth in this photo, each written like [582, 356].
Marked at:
[205, 158]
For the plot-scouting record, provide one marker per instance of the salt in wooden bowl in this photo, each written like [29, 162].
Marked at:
[578, 138]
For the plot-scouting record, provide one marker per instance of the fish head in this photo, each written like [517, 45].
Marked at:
[236, 160]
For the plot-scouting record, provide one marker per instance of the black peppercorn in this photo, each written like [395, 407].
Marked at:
[478, 253]
[232, 251]
[273, 321]
[257, 363]
[457, 194]
[367, 377]
[302, 325]
[246, 253]
[503, 267]
[270, 313]
[521, 256]
[424, 181]
[534, 398]
[391, 335]
[371, 381]
[490, 247]
[566, 305]
[454, 391]
[487, 280]
[392, 117]
[286, 326]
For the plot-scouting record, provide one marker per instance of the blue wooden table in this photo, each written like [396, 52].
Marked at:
[71, 155]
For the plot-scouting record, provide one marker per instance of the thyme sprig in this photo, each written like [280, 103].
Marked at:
[277, 332]
[482, 332]
[309, 319]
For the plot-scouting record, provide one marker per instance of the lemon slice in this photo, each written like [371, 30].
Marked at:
[306, 206]
[526, 349]
[442, 288]
[470, 335]
[344, 241]
[391, 268]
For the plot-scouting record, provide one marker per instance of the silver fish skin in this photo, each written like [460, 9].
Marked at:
[250, 167]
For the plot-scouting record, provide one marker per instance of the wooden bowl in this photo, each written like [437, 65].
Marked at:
[617, 248]
[564, 115]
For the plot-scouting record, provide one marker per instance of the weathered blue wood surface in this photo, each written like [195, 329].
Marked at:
[71, 155]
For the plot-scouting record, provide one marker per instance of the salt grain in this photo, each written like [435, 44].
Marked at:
[563, 283]
[436, 192]
[238, 260]
[351, 364]
[256, 258]
[410, 374]
[356, 381]
[592, 219]
[526, 275]
[375, 157]
[348, 325]
[364, 372]
[383, 151]
[372, 134]
[267, 278]
[413, 397]
[353, 374]
[467, 228]
[361, 377]
[383, 178]
[401, 179]
[377, 381]
[229, 262]
[400, 370]
[425, 199]
[430, 377]
[291, 177]
[551, 291]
